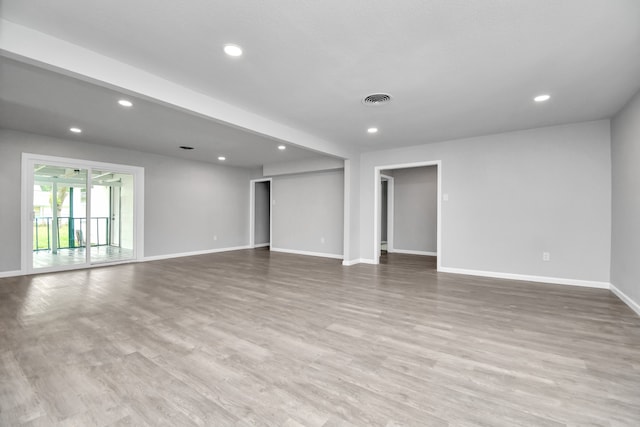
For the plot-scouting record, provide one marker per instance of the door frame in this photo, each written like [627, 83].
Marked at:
[376, 207]
[390, 209]
[26, 209]
[252, 211]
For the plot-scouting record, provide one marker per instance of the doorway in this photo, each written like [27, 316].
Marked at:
[260, 213]
[386, 174]
[386, 212]
[78, 213]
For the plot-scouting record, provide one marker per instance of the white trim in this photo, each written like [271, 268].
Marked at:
[26, 204]
[252, 211]
[411, 252]
[527, 278]
[376, 207]
[26, 230]
[89, 215]
[625, 298]
[14, 273]
[308, 253]
[194, 253]
[262, 245]
[359, 261]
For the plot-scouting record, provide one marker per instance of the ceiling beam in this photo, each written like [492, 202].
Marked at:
[27, 45]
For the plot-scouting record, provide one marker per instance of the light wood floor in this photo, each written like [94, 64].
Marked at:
[258, 338]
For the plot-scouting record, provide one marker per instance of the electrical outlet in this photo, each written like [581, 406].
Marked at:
[322, 240]
[546, 256]
[215, 237]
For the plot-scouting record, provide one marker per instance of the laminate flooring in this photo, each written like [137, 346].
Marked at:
[258, 338]
[99, 254]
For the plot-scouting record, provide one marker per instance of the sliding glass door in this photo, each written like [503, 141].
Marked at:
[59, 215]
[111, 216]
[81, 213]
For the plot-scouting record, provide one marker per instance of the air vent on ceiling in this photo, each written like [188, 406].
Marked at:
[376, 99]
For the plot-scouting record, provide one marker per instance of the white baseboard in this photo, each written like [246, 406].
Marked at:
[411, 252]
[626, 299]
[297, 252]
[183, 254]
[261, 245]
[11, 273]
[527, 278]
[358, 261]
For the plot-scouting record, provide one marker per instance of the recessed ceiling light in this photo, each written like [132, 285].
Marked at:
[233, 50]
[75, 130]
[542, 98]
[372, 130]
[186, 147]
[281, 147]
[222, 158]
[125, 103]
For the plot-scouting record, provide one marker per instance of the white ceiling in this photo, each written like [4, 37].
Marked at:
[455, 68]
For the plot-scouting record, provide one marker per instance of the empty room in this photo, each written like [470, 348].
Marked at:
[332, 213]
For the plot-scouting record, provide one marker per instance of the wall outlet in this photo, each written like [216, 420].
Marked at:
[215, 237]
[322, 240]
[445, 197]
[546, 256]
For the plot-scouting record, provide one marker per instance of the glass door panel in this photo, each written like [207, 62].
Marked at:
[111, 216]
[59, 216]
[78, 213]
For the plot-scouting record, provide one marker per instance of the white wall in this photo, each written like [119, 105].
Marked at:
[513, 196]
[312, 164]
[415, 209]
[625, 238]
[187, 203]
[351, 221]
[308, 208]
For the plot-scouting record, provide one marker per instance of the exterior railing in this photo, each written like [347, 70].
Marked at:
[71, 232]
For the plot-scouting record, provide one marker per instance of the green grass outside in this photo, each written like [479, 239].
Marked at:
[42, 236]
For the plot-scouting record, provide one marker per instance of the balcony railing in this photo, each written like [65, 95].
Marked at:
[71, 232]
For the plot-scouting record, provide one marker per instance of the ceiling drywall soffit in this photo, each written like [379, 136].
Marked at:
[455, 68]
[35, 48]
[44, 102]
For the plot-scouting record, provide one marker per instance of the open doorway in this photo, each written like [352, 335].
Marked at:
[407, 215]
[386, 212]
[260, 215]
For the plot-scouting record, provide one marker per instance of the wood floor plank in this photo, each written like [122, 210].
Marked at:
[258, 338]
